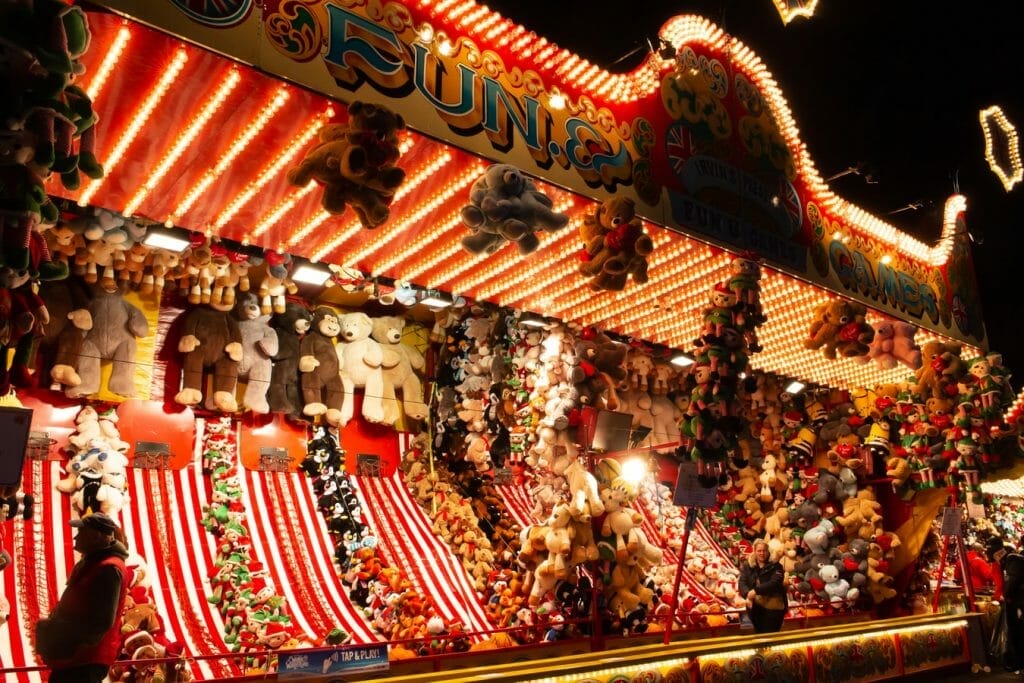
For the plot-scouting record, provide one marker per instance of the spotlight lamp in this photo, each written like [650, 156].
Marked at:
[174, 240]
[682, 360]
[435, 300]
[794, 388]
[311, 274]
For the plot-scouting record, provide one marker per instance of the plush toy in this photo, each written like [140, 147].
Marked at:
[276, 283]
[259, 345]
[211, 341]
[115, 325]
[162, 268]
[284, 395]
[831, 318]
[506, 206]
[400, 364]
[355, 163]
[894, 343]
[598, 369]
[360, 359]
[23, 314]
[941, 368]
[615, 245]
[322, 390]
[836, 589]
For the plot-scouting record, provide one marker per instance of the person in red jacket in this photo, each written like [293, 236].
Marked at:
[981, 570]
[81, 637]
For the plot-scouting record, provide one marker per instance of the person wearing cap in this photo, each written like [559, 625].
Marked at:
[80, 639]
[1010, 569]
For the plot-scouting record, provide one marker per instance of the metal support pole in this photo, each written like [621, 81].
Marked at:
[691, 521]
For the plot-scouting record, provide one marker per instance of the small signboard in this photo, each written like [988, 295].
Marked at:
[951, 522]
[975, 510]
[690, 492]
[273, 459]
[15, 424]
[324, 664]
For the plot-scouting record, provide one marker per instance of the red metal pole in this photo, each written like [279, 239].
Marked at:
[691, 521]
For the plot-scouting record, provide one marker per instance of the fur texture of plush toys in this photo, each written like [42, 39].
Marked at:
[360, 359]
[211, 341]
[830, 320]
[259, 345]
[322, 389]
[284, 395]
[355, 163]
[615, 245]
[116, 324]
[400, 364]
[506, 206]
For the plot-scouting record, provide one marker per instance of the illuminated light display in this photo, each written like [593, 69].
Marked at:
[110, 60]
[248, 133]
[794, 9]
[1002, 148]
[149, 104]
[185, 139]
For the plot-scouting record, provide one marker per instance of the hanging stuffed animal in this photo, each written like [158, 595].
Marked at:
[211, 341]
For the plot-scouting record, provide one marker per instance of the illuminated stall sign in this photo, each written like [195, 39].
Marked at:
[883, 284]
[703, 143]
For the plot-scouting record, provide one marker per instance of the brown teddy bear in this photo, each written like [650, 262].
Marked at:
[615, 245]
[941, 369]
[831, 318]
[210, 340]
[355, 163]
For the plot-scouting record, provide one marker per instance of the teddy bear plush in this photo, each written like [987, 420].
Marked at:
[506, 206]
[322, 390]
[615, 245]
[941, 369]
[893, 343]
[831, 318]
[259, 345]
[276, 284]
[284, 395]
[400, 364]
[116, 324]
[211, 341]
[355, 163]
[360, 359]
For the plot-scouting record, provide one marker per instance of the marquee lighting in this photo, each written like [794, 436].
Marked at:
[249, 132]
[156, 94]
[110, 61]
[792, 9]
[1002, 148]
[185, 139]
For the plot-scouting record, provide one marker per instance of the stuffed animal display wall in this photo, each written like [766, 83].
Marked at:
[355, 163]
[506, 206]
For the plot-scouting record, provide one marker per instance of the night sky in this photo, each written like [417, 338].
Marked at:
[892, 87]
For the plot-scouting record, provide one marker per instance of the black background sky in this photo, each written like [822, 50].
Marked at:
[894, 84]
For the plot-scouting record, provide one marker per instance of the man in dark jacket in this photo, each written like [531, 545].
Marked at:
[80, 639]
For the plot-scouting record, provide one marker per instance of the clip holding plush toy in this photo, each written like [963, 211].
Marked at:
[355, 163]
[506, 206]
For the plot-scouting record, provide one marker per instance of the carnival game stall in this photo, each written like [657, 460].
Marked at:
[396, 336]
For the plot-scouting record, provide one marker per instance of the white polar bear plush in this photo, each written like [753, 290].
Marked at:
[360, 358]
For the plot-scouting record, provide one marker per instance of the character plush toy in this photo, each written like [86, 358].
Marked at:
[615, 245]
[400, 363]
[22, 315]
[291, 326]
[259, 345]
[941, 368]
[506, 206]
[838, 322]
[894, 343]
[360, 359]
[355, 163]
[210, 340]
[322, 389]
[116, 324]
